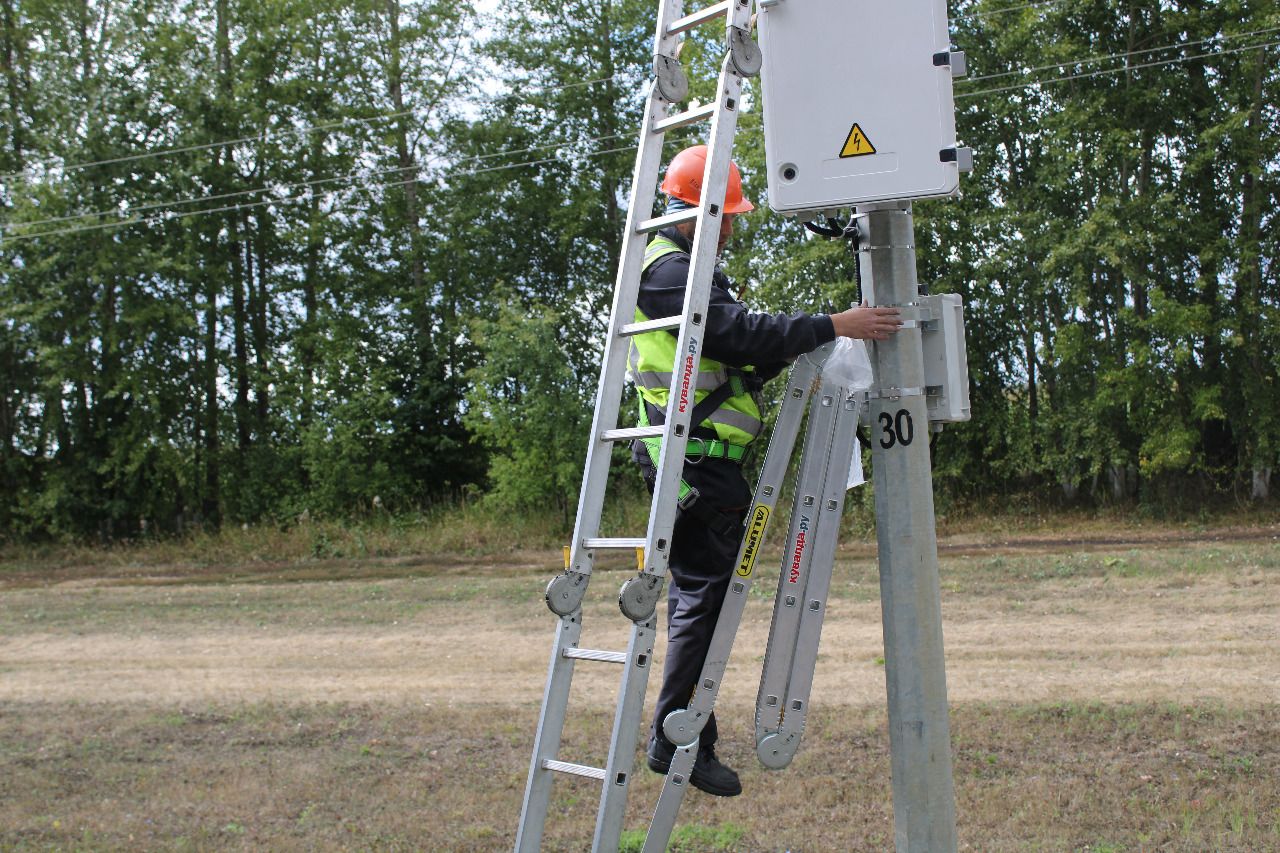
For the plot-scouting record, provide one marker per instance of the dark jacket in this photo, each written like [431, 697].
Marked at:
[734, 335]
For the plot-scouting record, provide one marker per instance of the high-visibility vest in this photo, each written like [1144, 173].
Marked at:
[653, 355]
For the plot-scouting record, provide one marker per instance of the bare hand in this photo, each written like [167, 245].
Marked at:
[867, 323]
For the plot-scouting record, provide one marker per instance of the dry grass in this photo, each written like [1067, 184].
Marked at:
[1187, 623]
[330, 776]
[469, 535]
[1114, 698]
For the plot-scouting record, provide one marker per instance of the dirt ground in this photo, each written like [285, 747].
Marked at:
[1207, 636]
[1171, 630]
[1217, 639]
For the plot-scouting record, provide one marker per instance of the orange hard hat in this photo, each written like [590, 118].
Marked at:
[684, 180]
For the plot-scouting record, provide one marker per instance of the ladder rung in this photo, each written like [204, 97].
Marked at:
[684, 119]
[631, 433]
[701, 16]
[576, 769]
[659, 325]
[616, 544]
[648, 226]
[596, 654]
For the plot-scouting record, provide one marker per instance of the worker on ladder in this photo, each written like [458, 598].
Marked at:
[741, 350]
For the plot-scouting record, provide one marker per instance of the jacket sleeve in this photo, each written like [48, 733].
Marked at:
[734, 335]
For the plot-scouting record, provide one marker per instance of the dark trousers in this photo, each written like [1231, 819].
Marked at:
[702, 563]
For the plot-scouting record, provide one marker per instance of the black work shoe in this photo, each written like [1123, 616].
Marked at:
[708, 773]
[713, 777]
[659, 755]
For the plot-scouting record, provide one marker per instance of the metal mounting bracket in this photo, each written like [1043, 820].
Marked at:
[895, 393]
[960, 155]
[953, 58]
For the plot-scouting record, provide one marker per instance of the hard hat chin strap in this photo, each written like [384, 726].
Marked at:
[675, 205]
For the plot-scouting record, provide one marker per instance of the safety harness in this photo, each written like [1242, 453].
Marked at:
[739, 382]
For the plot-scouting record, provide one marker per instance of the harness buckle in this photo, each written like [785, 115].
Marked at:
[689, 500]
[702, 450]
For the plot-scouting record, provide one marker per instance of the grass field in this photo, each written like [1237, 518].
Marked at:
[1111, 690]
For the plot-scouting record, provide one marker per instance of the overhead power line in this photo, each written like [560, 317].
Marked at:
[55, 163]
[530, 149]
[52, 163]
[166, 217]
[559, 86]
[1123, 68]
[156, 205]
[132, 211]
[1092, 59]
[163, 217]
[992, 12]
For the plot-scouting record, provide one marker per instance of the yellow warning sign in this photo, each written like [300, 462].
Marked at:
[856, 144]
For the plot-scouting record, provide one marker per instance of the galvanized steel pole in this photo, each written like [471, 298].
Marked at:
[919, 736]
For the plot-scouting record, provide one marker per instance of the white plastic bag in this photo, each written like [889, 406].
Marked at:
[848, 365]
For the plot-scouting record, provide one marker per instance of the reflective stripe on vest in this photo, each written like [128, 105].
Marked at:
[653, 355]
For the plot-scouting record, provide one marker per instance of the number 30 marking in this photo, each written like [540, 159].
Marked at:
[898, 429]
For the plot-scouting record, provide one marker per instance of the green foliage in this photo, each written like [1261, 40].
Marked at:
[530, 408]
[271, 288]
[705, 839]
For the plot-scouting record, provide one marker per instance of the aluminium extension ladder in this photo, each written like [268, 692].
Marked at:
[639, 595]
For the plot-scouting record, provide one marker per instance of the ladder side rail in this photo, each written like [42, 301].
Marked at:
[666, 43]
[796, 560]
[613, 799]
[546, 744]
[613, 369]
[626, 723]
[684, 728]
[644, 179]
[663, 822]
[568, 597]
[782, 747]
[689, 343]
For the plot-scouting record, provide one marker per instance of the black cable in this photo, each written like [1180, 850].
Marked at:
[827, 231]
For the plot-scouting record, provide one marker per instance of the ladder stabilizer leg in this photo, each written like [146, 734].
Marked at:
[777, 749]
[685, 726]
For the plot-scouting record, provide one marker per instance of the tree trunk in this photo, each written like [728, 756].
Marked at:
[1033, 400]
[261, 340]
[10, 331]
[9, 55]
[235, 243]
[1259, 396]
[306, 338]
[238, 318]
[1261, 483]
[212, 446]
[1137, 287]
[405, 158]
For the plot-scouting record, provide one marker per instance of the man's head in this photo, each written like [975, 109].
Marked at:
[683, 186]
